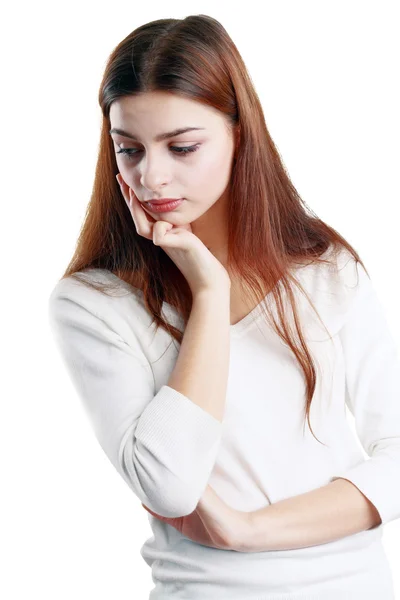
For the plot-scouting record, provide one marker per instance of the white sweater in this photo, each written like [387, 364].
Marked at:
[167, 448]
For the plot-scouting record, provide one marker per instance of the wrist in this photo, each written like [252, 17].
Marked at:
[260, 531]
[244, 533]
[210, 292]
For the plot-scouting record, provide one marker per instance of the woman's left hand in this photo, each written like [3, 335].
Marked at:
[213, 523]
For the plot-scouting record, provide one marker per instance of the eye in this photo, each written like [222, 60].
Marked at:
[184, 150]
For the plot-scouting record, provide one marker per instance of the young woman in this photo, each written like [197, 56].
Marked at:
[215, 330]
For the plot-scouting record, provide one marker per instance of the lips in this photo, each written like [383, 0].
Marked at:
[163, 201]
[165, 206]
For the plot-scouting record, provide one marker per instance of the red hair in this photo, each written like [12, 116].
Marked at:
[270, 227]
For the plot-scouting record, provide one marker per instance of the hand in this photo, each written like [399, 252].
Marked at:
[213, 523]
[198, 265]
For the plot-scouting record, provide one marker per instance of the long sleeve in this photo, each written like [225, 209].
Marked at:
[154, 440]
[373, 397]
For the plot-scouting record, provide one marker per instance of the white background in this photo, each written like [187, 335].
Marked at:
[327, 74]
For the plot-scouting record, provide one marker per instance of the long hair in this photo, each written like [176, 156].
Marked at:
[270, 228]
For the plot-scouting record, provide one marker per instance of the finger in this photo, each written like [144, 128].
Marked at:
[159, 230]
[142, 224]
[123, 188]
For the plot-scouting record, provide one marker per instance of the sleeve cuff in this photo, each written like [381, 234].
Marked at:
[170, 423]
[378, 478]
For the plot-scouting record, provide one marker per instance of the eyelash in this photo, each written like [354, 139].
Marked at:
[184, 150]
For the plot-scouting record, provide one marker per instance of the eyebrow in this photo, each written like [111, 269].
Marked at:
[160, 136]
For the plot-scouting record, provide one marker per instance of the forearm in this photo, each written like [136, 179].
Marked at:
[202, 366]
[319, 516]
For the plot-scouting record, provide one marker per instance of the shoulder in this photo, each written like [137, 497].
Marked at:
[332, 287]
[79, 299]
[337, 278]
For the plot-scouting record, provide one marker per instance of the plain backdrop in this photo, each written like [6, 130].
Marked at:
[327, 74]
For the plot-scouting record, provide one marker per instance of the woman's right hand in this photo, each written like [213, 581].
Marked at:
[198, 265]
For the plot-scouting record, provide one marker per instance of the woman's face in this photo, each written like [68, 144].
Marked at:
[159, 168]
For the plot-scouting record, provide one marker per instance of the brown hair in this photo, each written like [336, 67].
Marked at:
[195, 58]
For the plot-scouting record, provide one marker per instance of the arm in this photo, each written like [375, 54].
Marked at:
[366, 492]
[323, 515]
[186, 429]
[201, 369]
[152, 437]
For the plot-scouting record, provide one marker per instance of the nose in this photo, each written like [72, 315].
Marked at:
[154, 173]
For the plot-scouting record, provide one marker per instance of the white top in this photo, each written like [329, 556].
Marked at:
[259, 454]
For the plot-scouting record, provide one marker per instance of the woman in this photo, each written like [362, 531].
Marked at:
[275, 319]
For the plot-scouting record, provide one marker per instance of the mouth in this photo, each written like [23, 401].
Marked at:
[158, 207]
[163, 200]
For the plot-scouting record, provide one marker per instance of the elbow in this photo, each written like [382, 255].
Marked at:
[167, 496]
[156, 486]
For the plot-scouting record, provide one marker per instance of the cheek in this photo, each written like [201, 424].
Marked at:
[126, 171]
[211, 172]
